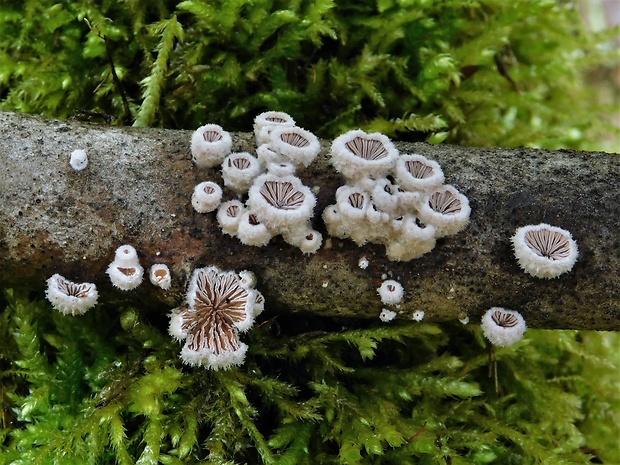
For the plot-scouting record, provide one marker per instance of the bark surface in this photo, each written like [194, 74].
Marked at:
[137, 188]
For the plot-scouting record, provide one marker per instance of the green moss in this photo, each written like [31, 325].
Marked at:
[88, 390]
[474, 73]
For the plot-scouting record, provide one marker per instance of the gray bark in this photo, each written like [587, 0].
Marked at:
[137, 188]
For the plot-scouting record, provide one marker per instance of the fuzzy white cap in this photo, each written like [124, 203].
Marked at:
[299, 146]
[352, 202]
[415, 172]
[391, 292]
[206, 197]
[125, 271]
[387, 315]
[270, 120]
[176, 328]
[210, 145]
[251, 231]
[503, 327]
[70, 298]
[356, 154]
[281, 169]
[306, 239]
[125, 277]
[385, 196]
[446, 209]
[266, 155]
[418, 315]
[413, 240]
[281, 203]
[545, 251]
[159, 275]
[79, 160]
[126, 255]
[239, 171]
[229, 214]
[335, 222]
[247, 278]
[259, 303]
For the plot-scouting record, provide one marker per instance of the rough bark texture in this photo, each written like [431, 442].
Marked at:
[137, 187]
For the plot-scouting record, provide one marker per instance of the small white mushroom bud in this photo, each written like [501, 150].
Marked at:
[79, 160]
[391, 292]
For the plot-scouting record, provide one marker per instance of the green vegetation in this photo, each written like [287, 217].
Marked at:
[109, 387]
[485, 72]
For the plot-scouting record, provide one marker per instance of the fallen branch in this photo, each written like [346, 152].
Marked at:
[137, 188]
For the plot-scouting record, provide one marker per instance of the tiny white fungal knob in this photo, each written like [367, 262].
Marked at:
[70, 298]
[125, 271]
[363, 263]
[391, 292]
[79, 160]
[387, 315]
[544, 251]
[159, 275]
[418, 315]
[503, 327]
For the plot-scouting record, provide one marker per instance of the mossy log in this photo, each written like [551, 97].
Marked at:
[137, 188]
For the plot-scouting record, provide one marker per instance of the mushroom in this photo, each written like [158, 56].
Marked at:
[503, 327]
[544, 251]
[70, 298]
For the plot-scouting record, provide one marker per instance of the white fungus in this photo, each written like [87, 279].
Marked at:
[125, 271]
[239, 170]
[544, 251]
[219, 306]
[282, 203]
[418, 315]
[210, 145]
[79, 160]
[391, 292]
[387, 315]
[206, 197]
[159, 275]
[228, 216]
[503, 327]
[356, 154]
[70, 298]
[363, 263]
[417, 173]
[446, 209]
[298, 146]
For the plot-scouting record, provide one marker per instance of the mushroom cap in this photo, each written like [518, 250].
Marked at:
[415, 172]
[70, 298]
[503, 327]
[544, 251]
[282, 203]
[391, 292]
[356, 154]
[297, 145]
[446, 209]
[206, 197]
[159, 275]
[239, 171]
[219, 306]
[209, 146]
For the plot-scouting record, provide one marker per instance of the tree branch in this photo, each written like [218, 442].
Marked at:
[137, 188]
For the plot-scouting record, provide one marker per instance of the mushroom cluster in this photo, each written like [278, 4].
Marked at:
[220, 305]
[275, 200]
[396, 200]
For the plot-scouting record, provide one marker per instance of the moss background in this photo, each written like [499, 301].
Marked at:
[108, 387]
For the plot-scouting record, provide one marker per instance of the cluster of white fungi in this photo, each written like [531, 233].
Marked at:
[398, 200]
